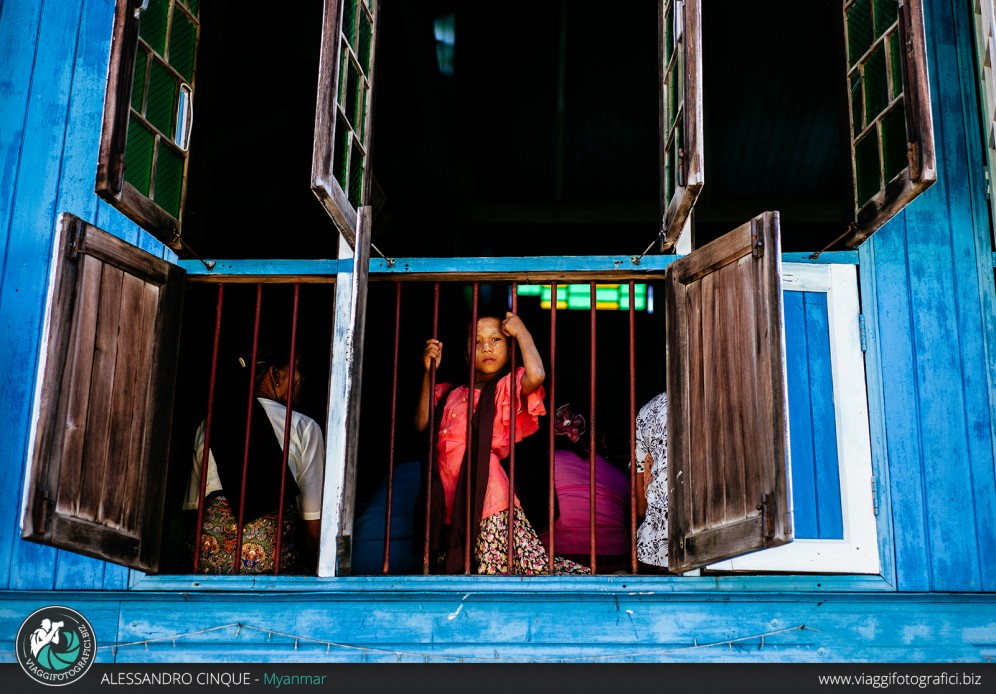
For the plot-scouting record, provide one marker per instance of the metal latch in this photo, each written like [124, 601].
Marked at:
[756, 240]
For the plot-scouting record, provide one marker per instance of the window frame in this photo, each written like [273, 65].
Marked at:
[858, 551]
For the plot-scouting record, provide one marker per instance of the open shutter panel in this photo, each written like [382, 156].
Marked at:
[892, 136]
[682, 159]
[104, 402]
[338, 502]
[728, 475]
[340, 166]
[148, 113]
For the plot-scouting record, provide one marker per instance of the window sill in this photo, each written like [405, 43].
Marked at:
[568, 586]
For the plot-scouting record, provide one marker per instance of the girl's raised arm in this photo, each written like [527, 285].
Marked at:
[531, 359]
[433, 352]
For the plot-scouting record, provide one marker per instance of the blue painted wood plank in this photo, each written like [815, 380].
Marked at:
[830, 521]
[828, 258]
[18, 37]
[483, 267]
[800, 421]
[937, 217]
[976, 305]
[896, 369]
[22, 293]
[875, 376]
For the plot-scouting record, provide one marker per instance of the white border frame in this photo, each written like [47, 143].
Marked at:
[857, 553]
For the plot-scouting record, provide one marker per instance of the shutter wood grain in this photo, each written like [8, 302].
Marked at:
[729, 485]
[105, 399]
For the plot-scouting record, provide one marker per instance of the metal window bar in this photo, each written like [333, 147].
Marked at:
[512, 407]
[632, 426]
[551, 505]
[469, 483]
[432, 433]
[592, 527]
[394, 425]
[209, 421]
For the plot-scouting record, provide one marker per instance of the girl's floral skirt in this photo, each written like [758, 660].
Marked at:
[259, 541]
[529, 556]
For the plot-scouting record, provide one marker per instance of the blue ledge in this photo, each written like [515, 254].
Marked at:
[540, 267]
[534, 587]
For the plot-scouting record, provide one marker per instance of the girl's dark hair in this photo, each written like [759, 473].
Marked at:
[267, 357]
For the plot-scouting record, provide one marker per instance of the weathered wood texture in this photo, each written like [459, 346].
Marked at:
[346, 377]
[685, 68]
[728, 478]
[105, 398]
[110, 183]
[324, 182]
[921, 171]
[928, 297]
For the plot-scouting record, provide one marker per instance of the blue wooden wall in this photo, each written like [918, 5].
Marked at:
[927, 292]
[54, 69]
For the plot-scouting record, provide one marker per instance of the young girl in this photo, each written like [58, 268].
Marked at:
[491, 424]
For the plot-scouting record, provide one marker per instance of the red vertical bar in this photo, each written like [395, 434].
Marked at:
[432, 434]
[553, 408]
[512, 406]
[632, 426]
[591, 440]
[394, 424]
[207, 425]
[288, 421]
[249, 400]
[470, 412]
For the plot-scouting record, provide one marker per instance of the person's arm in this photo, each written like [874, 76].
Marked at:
[642, 480]
[531, 360]
[433, 352]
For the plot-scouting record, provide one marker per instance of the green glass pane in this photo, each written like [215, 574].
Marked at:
[669, 174]
[138, 83]
[867, 168]
[194, 6]
[183, 45]
[529, 289]
[366, 42]
[673, 96]
[896, 56]
[857, 104]
[340, 153]
[886, 14]
[160, 107]
[138, 156]
[894, 141]
[152, 25]
[352, 93]
[578, 302]
[169, 179]
[349, 21]
[876, 84]
[859, 30]
[343, 66]
[355, 177]
[361, 110]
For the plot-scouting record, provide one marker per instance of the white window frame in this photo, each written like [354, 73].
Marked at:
[857, 553]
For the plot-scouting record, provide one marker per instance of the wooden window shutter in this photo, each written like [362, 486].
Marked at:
[340, 165]
[148, 113]
[681, 134]
[104, 401]
[344, 393]
[728, 474]
[891, 132]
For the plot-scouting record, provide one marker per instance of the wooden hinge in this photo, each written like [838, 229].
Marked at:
[756, 240]
[74, 242]
[874, 482]
[862, 333]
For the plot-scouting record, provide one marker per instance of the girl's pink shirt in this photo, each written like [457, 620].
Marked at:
[451, 444]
